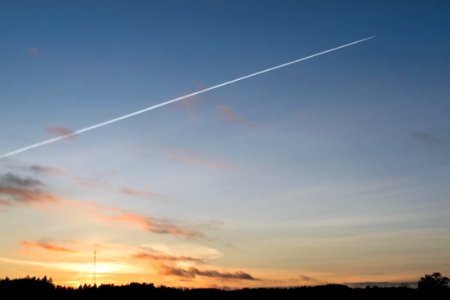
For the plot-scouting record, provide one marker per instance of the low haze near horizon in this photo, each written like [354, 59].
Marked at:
[332, 170]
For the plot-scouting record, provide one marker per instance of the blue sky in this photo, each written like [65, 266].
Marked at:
[335, 166]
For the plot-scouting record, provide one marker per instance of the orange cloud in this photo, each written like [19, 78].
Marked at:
[27, 196]
[47, 246]
[16, 189]
[229, 115]
[151, 224]
[115, 215]
[59, 130]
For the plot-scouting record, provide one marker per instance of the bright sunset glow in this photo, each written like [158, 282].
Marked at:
[334, 169]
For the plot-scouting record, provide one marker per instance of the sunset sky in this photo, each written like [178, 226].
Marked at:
[334, 170]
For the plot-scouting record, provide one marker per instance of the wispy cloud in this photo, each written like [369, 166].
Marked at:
[229, 115]
[138, 193]
[16, 189]
[59, 130]
[192, 272]
[46, 170]
[115, 215]
[426, 138]
[190, 103]
[12, 180]
[195, 159]
[90, 183]
[158, 256]
[47, 246]
[154, 225]
[34, 51]
[308, 279]
[177, 99]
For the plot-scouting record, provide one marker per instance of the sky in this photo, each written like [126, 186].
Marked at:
[333, 170]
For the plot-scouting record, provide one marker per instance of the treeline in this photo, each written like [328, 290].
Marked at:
[43, 288]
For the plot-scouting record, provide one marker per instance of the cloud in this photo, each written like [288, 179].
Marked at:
[308, 279]
[90, 183]
[45, 170]
[384, 284]
[427, 138]
[34, 51]
[229, 115]
[117, 215]
[183, 249]
[37, 169]
[12, 180]
[47, 246]
[189, 104]
[154, 225]
[192, 272]
[16, 189]
[59, 130]
[194, 159]
[158, 256]
[138, 193]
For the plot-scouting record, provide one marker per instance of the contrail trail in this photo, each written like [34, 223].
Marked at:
[79, 131]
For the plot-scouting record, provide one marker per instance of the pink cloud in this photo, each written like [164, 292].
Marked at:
[189, 104]
[34, 51]
[138, 193]
[190, 158]
[117, 216]
[229, 115]
[59, 130]
[47, 246]
[15, 189]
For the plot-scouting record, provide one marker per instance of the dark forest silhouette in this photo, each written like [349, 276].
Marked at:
[43, 288]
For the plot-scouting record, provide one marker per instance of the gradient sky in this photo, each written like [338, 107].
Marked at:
[333, 170]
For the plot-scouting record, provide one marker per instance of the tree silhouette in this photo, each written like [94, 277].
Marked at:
[433, 281]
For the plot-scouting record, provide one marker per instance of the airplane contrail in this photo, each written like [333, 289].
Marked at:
[79, 131]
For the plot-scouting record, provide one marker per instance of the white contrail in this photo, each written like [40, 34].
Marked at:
[79, 131]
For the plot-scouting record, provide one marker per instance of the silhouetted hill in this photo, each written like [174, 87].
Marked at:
[43, 288]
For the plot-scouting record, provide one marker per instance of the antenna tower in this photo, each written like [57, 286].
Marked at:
[95, 267]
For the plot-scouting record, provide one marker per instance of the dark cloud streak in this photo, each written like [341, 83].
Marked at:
[16, 189]
[427, 138]
[156, 256]
[192, 272]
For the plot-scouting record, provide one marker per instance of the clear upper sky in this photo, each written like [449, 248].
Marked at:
[332, 170]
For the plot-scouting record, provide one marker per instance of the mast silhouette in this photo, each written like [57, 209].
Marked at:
[95, 267]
